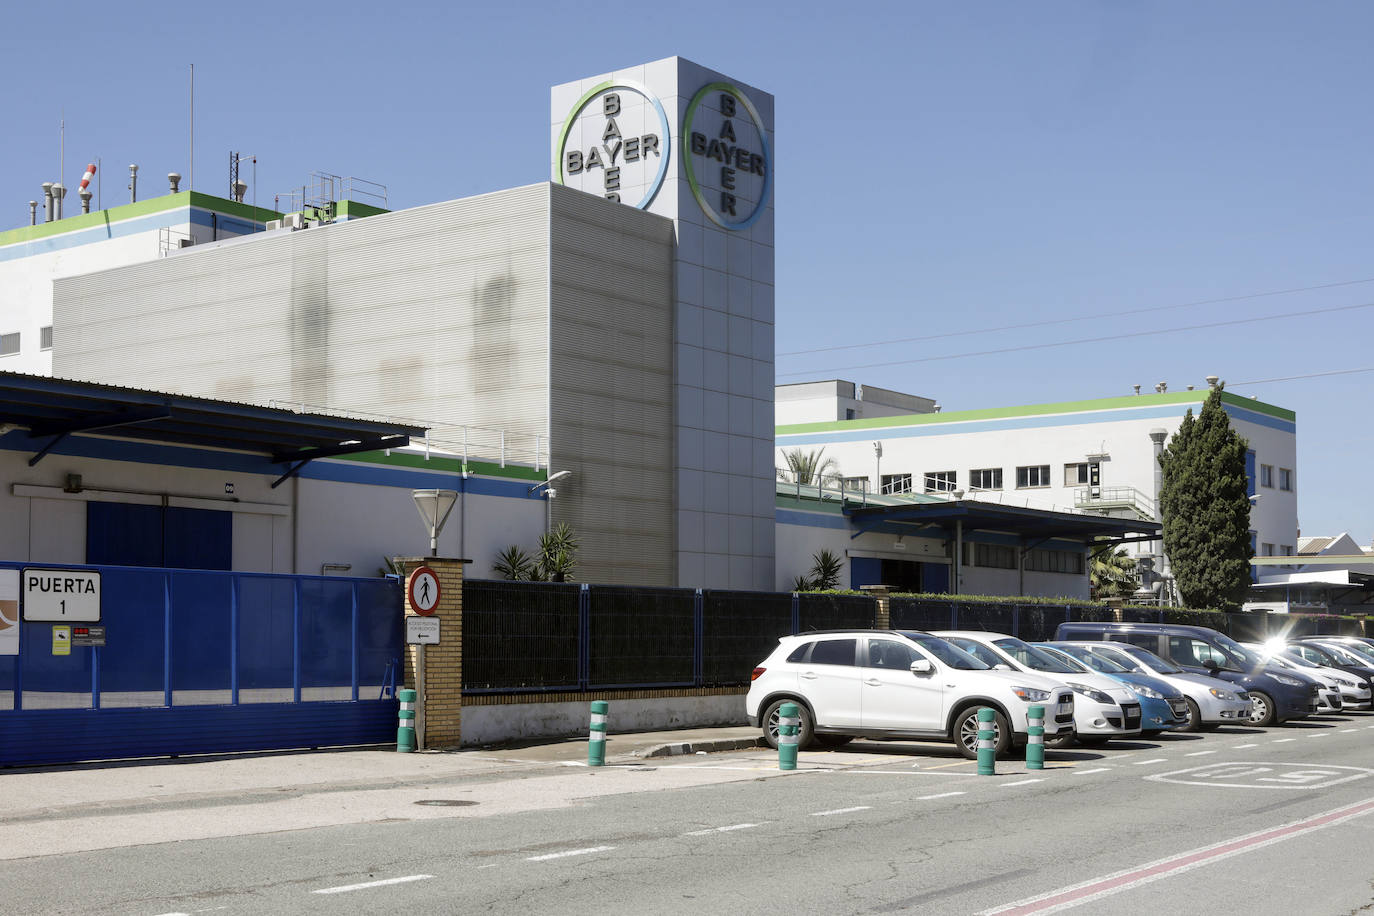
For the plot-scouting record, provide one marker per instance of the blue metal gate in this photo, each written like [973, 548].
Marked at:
[199, 662]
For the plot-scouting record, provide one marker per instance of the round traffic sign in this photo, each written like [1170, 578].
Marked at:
[422, 590]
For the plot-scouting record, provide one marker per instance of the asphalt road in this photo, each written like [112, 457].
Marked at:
[1240, 820]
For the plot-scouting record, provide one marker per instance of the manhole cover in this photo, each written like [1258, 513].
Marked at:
[445, 802]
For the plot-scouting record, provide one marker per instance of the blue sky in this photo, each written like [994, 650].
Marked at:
[944, 171]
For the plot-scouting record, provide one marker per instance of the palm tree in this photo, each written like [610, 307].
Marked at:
[513, 563]
[808, 467]
[825, 574]
[557, 554]
[1113, 574]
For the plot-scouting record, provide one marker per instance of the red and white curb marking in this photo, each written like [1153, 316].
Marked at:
[1117, 882]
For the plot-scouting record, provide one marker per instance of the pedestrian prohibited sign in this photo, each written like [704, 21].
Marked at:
[422, 591]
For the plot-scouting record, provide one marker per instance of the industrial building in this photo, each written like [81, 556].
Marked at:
[1094, 457]
[615, 323]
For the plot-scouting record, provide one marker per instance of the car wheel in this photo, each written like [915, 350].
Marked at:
[1194, 717]
[833, 740]
[966, 732]
[1261, 709]
[770, 724]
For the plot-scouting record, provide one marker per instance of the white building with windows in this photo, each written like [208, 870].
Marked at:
[1097, 457]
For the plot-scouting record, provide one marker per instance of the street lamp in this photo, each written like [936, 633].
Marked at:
[434, 506]
[549, 494]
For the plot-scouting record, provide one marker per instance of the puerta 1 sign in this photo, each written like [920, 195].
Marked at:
[615, 142]
[727, 159]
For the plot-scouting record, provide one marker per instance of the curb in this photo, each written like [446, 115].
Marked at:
[700, 747]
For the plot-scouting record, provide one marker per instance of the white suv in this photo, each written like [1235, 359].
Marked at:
[897, 684]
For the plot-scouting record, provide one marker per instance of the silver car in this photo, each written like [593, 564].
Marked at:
[1211, 701]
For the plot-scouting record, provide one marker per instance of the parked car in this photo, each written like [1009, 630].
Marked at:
[1212, 702]
[1103, 708]
[1275, 697]
[896, 684]
[1341, 656]
[1162, 707]
[1328, 699]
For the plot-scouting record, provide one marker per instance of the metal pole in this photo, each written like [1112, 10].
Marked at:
[420, 702]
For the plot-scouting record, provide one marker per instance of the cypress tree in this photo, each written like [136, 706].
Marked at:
[1206, 509]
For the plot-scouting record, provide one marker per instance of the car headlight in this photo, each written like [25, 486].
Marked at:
[1286, 680]
[1031, 695]
[1147, 692]
[1222, 694]
[1092, 694]
[1347, 682]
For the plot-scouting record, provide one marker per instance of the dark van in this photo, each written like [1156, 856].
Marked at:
[1275, 696]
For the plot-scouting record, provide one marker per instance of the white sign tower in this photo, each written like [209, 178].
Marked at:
[696, 146]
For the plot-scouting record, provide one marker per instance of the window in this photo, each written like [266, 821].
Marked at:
[985, 479]
[896, 483]
[1286, 550]
[941, 481]
[1268, 550]
[1035, 475]
[993, 556]
[834, 652]
[1267, 475]
[45, 338]
[1055, 561]
[856, 483]
[888, 653]
[849, 413]
[9, 344]
[1285, 479]
[1075, 474]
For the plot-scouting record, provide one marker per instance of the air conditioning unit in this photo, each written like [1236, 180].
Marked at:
[293, 221]
[273, 224]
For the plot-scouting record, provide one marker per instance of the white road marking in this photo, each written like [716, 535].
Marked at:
[345, 888]
[1346, 731]
[1282, 740]
[1019, 782]
[1107, 885]
[941, 795]
[710, 830]
[571, 852]
[841, 811]
[1199, 753]
[1241, 747]
[1318, 735]
[1141, 763]
[1093, 770]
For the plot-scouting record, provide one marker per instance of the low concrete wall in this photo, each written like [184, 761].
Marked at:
[488, 724]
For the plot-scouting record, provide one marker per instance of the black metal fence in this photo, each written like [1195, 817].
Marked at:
[521, 637]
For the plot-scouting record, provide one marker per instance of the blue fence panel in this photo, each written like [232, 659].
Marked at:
[202, 644]
[185, 647]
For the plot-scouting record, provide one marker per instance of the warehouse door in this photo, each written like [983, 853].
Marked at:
[121, 534]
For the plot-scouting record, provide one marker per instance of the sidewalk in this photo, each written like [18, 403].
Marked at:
[127, 784]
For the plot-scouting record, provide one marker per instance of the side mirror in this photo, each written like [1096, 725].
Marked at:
[1003, 666]
[922, 666]
[1211, 665]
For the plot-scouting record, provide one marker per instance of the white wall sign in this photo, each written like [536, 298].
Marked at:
[615, 142]
[61, 595]
[422, 631]
[9, 612]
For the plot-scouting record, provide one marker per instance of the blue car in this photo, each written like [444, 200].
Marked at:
[1162, 707]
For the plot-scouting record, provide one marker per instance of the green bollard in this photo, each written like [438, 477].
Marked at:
[987, 742]
[596, 740]
[1035, 738]
[405, 727]
[789, 724]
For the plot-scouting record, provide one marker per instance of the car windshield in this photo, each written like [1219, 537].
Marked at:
[1236, 651]
[1362, 653]
[1033, 658]
[1152, 661]
[950, 654]
[1093, 660]
[1344, 655]
[1076, 664]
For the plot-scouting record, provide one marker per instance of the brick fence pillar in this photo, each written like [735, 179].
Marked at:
[443, 694]
[882, 618]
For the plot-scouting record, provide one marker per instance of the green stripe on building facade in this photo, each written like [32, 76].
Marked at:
[111, 215]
